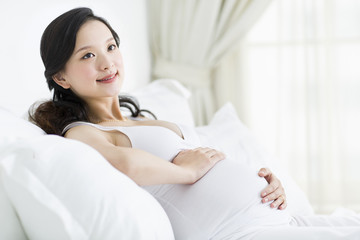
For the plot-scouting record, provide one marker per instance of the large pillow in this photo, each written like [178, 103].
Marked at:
[11, 228]
[64, 189]
[227, 133]
[14, 127]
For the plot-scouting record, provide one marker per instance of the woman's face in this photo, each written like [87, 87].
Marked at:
[95, 69]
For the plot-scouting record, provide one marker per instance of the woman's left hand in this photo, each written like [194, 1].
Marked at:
[274, 191]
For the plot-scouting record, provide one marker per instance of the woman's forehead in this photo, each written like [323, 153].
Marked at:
[92, 32]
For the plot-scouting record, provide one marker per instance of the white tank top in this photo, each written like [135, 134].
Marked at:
[224, 204]
[168, 143]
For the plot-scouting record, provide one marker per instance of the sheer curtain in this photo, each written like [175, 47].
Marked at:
[190, 37]
[297, 86]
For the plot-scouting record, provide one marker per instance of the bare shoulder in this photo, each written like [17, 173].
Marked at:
[88, 134]
[81, 130]
[101, 141]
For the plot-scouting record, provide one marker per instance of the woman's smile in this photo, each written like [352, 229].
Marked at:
[109, 78]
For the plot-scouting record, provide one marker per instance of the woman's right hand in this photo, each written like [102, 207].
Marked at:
[197, 162]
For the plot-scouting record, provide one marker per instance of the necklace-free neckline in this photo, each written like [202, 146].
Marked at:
[112, 120]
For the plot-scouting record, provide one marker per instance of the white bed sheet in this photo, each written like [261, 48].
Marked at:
[344, 226]
[341, 224]
[308, 233]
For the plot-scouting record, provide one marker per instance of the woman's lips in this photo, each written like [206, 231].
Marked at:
[108, 79]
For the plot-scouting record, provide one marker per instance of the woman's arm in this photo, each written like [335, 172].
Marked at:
[144, 168]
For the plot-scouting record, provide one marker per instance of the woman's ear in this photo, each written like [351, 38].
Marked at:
[58, 78]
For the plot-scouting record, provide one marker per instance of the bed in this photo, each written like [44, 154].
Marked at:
[56, 188]
[47, 193]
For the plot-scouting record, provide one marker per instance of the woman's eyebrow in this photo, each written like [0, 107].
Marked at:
[83, 48]
[87, 47]
[110, 39]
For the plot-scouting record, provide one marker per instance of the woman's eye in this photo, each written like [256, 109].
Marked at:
[88, 55]
[112, 47]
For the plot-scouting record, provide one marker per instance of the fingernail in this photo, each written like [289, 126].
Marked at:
[265, 200]
[263, 194]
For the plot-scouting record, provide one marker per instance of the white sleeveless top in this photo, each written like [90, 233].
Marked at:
[168, 143]
[224, 204]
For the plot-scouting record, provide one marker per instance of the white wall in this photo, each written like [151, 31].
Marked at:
[21, 25]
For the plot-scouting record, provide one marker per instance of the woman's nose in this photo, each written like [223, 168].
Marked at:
[105, 62]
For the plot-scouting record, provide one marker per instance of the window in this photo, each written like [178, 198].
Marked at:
[303, 94]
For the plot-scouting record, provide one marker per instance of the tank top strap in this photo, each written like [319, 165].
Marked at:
[75, 124]
[189, 133]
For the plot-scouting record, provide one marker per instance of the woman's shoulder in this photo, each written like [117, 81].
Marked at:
[83, 131]
[91, 135]
[75, 127]
[79, 129]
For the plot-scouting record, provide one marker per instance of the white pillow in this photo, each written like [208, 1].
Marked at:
[167, 99]
[64, 189]
[14, 127]
[227, 133]
[11, 228]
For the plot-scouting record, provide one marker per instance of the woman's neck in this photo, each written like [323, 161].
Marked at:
[103, 110]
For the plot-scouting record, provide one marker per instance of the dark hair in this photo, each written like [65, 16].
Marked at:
[57, 45]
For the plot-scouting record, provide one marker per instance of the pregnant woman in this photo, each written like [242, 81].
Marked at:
[205, 194]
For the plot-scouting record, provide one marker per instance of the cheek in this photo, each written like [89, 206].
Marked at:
[87, 72]
[83, 73]
[119, 61]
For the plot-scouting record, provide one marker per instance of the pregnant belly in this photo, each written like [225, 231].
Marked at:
[226, 200]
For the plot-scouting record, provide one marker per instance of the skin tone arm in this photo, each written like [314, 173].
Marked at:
[144, 168]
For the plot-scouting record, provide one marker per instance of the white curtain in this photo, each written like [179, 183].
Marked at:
[297, 87]
[190, 37]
